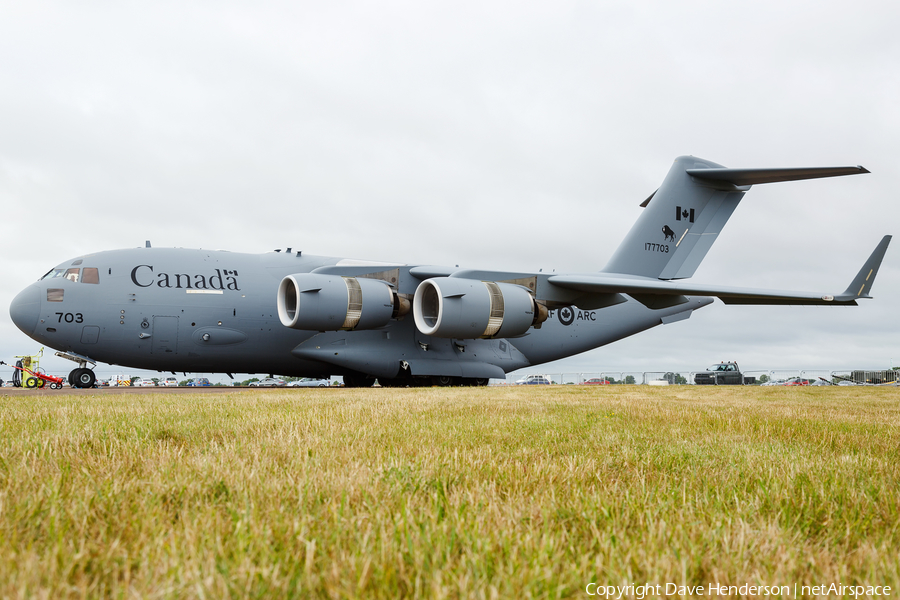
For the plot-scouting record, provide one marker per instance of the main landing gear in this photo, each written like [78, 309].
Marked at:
[361, 380]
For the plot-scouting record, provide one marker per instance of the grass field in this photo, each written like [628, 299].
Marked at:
[472, 492]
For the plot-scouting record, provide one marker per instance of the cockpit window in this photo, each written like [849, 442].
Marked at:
[90, 275]
[86, 275]
[53, 274]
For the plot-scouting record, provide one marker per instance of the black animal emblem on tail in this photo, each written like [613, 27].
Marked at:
[667, 231]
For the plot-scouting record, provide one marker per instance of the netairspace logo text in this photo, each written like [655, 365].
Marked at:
[657, 590]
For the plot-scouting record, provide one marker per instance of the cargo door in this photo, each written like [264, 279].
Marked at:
[165, 335]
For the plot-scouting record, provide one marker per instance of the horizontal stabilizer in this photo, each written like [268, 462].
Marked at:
[742, 177]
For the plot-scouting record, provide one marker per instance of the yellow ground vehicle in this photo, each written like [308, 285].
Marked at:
[29, 374]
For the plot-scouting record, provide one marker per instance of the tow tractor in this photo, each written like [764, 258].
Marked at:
[28, 373]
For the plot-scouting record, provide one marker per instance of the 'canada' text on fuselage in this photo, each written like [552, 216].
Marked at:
[183, 280]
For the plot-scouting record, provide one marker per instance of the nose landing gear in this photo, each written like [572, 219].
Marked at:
[82, 378]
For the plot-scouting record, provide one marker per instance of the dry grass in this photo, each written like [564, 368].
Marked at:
[483, 493]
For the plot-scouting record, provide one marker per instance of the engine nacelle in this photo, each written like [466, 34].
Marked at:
[320, 302]
[449, 307]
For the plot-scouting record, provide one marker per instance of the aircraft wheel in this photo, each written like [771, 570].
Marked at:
[443, 380]
[393, 383]
[73, 378]
[84, 378]
[357, 380]
[31, 382]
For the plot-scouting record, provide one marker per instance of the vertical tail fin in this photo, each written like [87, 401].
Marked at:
[683, 218]
[680, 222]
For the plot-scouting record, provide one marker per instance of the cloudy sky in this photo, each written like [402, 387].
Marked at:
[508, 135]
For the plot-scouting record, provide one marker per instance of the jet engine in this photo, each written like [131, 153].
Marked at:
[452, 307]
[320, 302]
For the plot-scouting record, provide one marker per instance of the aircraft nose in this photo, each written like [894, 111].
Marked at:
[26, 308]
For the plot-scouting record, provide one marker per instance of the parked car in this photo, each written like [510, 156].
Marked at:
[534, 380]
[143, 382]
[170, 382]
[724, 373]
[596, 381]
[310, 382]
[199, 382]
[268, 382]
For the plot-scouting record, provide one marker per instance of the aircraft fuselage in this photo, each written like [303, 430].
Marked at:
[185, 310]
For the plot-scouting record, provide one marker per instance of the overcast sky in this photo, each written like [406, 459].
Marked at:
[507, 135]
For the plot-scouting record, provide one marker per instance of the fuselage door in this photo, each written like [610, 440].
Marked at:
[165, 335]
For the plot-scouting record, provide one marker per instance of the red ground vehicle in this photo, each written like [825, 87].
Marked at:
[29, 374]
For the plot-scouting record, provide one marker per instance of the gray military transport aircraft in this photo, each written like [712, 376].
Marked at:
[290, 313]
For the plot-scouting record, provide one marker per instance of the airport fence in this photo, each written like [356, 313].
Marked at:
[755, 377]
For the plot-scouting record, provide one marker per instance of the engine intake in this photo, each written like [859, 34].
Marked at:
[319, 302]
[451, 307]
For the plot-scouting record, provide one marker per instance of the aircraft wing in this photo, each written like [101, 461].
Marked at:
[602, 283]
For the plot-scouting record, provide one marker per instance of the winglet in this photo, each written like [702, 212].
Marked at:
[862, 283]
